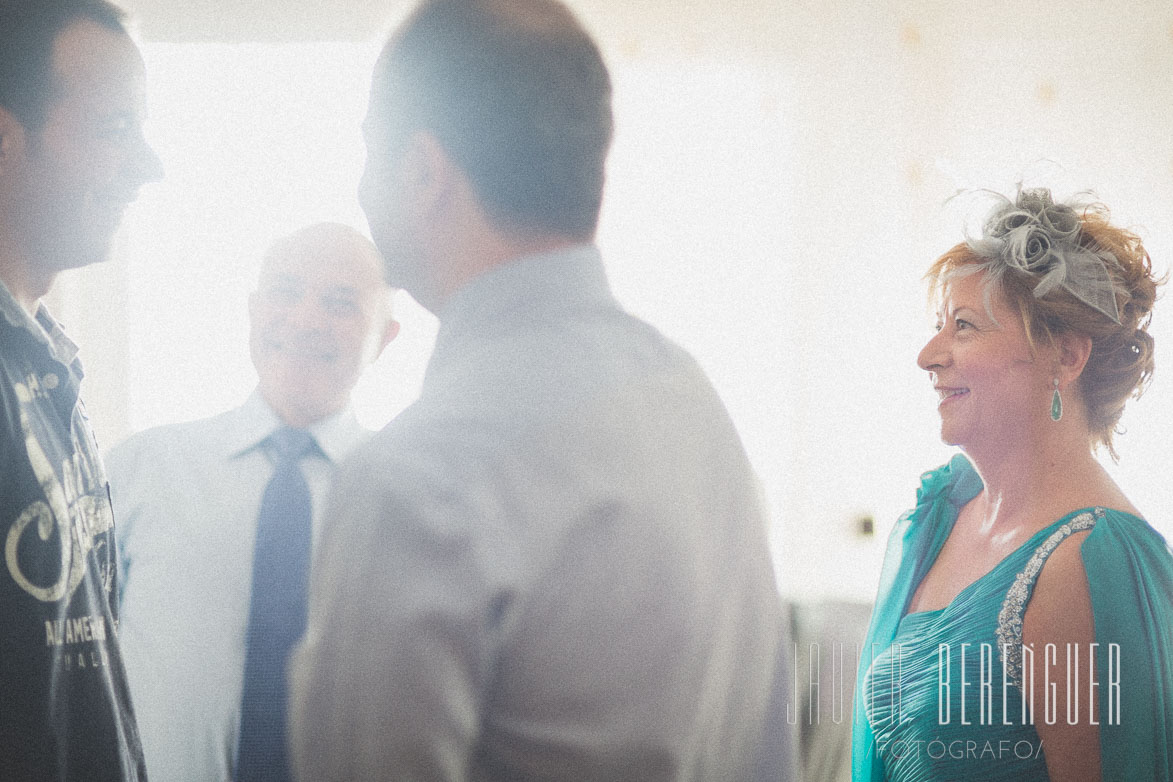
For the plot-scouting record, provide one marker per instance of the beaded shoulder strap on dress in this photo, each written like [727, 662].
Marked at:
[1009, 630]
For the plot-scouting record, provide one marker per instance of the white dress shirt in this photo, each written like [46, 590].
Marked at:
[186, 499]
[552, 567]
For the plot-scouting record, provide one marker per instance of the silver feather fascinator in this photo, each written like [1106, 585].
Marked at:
[1036, 236]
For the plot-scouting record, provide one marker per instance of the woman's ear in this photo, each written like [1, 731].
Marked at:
[1074, 351]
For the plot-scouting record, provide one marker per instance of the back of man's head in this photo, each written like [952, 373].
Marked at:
[517, 93]
[28, 30]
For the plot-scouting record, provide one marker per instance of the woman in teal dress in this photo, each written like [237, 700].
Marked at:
[1023, 628]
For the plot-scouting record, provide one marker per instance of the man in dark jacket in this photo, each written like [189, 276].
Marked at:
[72, 156]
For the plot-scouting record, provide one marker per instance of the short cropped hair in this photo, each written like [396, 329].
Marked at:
[517, 93]
[28, 30]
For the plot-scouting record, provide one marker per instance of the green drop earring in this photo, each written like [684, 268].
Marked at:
[1056, 402]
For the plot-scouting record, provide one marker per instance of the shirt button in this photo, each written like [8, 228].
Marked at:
[51, 381]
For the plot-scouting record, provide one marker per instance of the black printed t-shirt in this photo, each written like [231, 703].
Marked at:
[65, 712]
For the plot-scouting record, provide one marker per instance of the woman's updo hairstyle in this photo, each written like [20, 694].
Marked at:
[1067, 269]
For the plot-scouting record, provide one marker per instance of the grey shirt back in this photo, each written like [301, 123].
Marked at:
[552, 567]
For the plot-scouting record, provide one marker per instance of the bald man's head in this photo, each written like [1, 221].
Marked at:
[320, 314]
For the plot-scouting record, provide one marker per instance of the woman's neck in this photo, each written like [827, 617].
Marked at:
[1038, 478]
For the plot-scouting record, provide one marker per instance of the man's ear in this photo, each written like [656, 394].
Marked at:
[434, 179]
[252, 304]
[390, 332]
[1074, 351]
[12, 138]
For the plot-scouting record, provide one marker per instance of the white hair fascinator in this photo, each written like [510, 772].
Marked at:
[1036, 236]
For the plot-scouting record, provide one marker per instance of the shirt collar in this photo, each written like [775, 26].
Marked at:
[530, 287]
[254, 421]
[44, 328]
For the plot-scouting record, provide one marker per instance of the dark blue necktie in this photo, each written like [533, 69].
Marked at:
[277, 609]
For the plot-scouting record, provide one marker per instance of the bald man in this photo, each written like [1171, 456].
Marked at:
[199, 627]
[553, 566]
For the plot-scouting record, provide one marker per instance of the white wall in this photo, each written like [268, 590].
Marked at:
[776, 190]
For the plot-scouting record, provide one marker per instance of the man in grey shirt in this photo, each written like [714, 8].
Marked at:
[552, 566]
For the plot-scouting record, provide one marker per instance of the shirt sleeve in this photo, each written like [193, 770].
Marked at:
[386, 682]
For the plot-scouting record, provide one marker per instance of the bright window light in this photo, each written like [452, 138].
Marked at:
[787, 260]
[257, 141]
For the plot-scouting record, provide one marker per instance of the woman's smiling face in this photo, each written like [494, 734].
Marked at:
[992, 387]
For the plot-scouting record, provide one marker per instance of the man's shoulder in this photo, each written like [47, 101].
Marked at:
[427, 451]
[414, 438]
[548, 398]
[539, 371]
[158, 442]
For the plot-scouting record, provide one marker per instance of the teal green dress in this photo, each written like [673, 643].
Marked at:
[908, 727]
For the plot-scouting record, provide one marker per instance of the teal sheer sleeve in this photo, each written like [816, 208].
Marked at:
[913, 544]
[1130, 578]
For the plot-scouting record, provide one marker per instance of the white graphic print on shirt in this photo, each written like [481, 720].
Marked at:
[75, 506]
